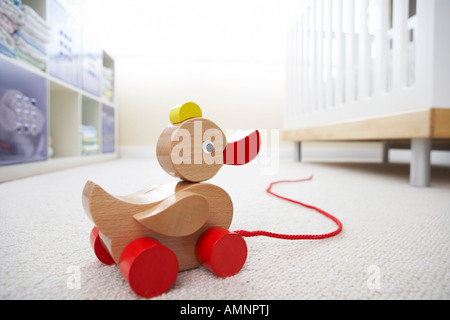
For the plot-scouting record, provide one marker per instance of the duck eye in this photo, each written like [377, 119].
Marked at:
[208, 146]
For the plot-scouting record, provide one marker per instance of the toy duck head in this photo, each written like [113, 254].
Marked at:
[194, 149]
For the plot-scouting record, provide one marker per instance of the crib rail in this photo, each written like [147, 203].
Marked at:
[350, 59]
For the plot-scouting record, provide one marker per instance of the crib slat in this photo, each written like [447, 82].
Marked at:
[293, 89]
[319, 60]
[350, 52]
[295, 69]
[313, 92]
[309, 48]
[425, 17]
[362, 51]
[339, 52]
[286, 80]
[289, 73]
[328, 54]
[303, 66]
[382, 45]
[400, 17]
[299, 68]
[294, 75]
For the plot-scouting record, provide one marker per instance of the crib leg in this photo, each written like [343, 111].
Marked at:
[386, 147]
[420, 162]
[298, 151]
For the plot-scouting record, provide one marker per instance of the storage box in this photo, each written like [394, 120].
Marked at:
[23, 115]
[65, 46]
[91, 62]
[108, 129]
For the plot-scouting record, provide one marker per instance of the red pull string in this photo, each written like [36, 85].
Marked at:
[245, 233]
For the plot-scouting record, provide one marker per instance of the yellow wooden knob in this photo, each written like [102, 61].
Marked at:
[184, 112]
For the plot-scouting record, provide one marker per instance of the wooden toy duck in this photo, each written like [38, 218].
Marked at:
[155, 233]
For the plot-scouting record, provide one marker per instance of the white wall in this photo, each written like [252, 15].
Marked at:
[227, 56]
[235, 95]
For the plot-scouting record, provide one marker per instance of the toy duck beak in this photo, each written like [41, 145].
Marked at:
[243, 149]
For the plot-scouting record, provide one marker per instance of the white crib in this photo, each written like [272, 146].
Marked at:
[371, 70]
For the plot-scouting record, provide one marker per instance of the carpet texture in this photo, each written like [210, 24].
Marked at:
[394, 245]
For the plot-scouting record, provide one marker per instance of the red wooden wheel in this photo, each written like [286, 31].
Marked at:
[149, 267]
[100, 250]
[221, 251]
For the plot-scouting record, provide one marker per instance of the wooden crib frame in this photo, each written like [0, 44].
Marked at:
[371, 70]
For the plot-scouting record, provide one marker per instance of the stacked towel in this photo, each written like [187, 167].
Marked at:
[10, 17]
[32, 38]
[7, 45]
[89, 140]
[107, 83]
[29, 51]
[12, 9]
[23, 33]
[7, 24]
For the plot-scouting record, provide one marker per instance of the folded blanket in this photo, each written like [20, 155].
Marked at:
[108, 73]
[25, 48]
[30, 60]
[89, 140]
[40, 36]
[7, 24]
[36, 35]
[12, 11]
[88, 134]
[32, 17]
[107, 93]
[31, 41]
[6, 39]
[6, 51]
[108, 83]
[35, 26]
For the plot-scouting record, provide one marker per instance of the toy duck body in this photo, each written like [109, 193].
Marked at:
[157, 232]
[151, 213]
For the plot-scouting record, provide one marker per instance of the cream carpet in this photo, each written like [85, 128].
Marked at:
[395, 242]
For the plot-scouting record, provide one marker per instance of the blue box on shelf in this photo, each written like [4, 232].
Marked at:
[23, 115]
[65, 47]
[108, 129]
[91, 62]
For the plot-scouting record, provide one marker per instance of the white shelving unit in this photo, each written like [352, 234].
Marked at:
[68, 108]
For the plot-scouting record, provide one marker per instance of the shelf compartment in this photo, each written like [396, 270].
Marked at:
[90, 127]
[108, 78]
[65, 119]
